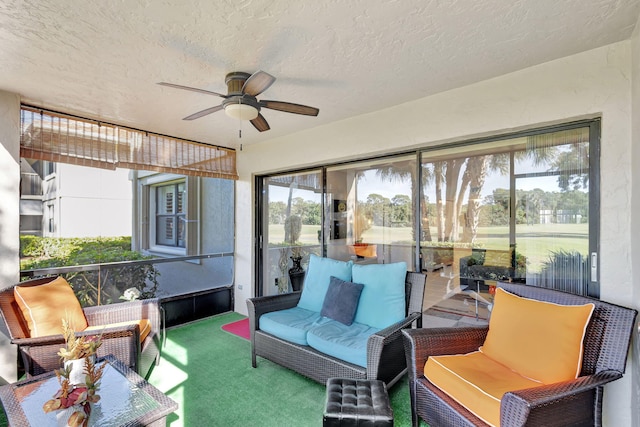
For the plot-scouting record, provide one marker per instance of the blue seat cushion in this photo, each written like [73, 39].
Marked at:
[348, 343]
[316, 281]
[382, 302]
[291, 324]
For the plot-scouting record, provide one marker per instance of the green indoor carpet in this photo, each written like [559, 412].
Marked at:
[208, 372]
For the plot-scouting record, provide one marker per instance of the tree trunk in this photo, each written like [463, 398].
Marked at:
[452, 176]
[438, 172]
[459, 202]
[477, 168]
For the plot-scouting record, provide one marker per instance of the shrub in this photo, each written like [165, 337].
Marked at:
[103, 285]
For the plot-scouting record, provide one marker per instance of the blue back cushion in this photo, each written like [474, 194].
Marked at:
[382, 302]
[316, 281]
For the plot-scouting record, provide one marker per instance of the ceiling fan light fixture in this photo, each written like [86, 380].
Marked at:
[241, 111]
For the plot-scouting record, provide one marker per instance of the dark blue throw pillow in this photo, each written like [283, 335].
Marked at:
[341, 300]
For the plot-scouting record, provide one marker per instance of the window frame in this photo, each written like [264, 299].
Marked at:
[148, 210]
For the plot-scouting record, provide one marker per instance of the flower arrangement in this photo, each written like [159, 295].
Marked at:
[77, 389]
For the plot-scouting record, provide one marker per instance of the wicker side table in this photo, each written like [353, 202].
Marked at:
[352, 403]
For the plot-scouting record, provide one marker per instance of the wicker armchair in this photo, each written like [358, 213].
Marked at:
[39, 355]
[385, 350]
[576, 402]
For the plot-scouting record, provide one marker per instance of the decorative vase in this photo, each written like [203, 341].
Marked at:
[63, 415]
[78, 371]
[296, 274]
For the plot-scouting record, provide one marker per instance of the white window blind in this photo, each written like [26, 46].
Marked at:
[56, 137]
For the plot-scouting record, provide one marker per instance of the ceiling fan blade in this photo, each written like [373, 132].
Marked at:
[260, 123]
[204, 112]
[289, 107]
[257, 83]
[193, 89]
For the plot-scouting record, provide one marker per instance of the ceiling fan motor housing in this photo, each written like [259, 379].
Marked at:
[235, 81]
[238, 105]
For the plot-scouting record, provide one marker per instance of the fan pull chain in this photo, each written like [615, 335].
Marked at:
[240, 123]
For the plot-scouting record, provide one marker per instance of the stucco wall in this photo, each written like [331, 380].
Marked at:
[635, 207]
[593, 83]
[9, 217]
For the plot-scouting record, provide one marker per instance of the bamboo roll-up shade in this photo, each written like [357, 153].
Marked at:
[56, 137]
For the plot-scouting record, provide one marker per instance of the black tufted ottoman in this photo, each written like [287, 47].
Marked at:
[357, 403]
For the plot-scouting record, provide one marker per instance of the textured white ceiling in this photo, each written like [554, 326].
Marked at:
[102, 59]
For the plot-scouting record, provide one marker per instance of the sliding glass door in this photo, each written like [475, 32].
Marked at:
[291, 228]
[552, 182]
[514, 209]
[520, 207]
[370, 211]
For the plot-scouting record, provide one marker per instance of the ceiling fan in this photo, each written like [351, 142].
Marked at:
[240, 101]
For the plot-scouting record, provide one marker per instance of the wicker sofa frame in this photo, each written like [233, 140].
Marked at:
[571, 403]
[385, 350]
[39, 355]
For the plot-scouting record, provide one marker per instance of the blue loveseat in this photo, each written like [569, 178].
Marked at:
[300, 331]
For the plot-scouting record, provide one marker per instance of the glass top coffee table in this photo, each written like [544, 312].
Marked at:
[126, 399]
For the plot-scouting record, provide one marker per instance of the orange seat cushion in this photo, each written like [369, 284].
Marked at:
[539, 340]
[476, 382]
[145, 327]
[44, 307]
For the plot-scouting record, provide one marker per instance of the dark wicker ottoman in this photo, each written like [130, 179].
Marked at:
[357, 403]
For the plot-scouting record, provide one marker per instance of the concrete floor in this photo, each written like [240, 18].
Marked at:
[443, 284]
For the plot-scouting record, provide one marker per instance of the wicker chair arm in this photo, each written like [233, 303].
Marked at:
[260, 305]
[385, 350]
[39, 354]
[553, 401]
[419, 344]
[386, 334]
[125, 311]
[58, 340]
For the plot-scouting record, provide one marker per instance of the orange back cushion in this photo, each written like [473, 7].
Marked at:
[44, 307]
[539, 340]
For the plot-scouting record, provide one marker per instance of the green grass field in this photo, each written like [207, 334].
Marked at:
[535, 241]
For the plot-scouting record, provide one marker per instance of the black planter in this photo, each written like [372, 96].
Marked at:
[296, 274]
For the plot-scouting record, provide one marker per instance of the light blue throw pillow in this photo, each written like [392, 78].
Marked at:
[316, 281]
[382, 302]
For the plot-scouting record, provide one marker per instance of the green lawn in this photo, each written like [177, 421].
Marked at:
[308, 236]
[535, 241]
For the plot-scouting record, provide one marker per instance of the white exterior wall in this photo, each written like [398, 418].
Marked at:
[590, 84]
[635, 207]
[91, 202]
[9, 217]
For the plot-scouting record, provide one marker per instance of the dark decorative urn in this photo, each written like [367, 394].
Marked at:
[296, 274]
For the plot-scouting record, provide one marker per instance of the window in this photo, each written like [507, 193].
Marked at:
[51, 219]
[170, 215]
[171, 205]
